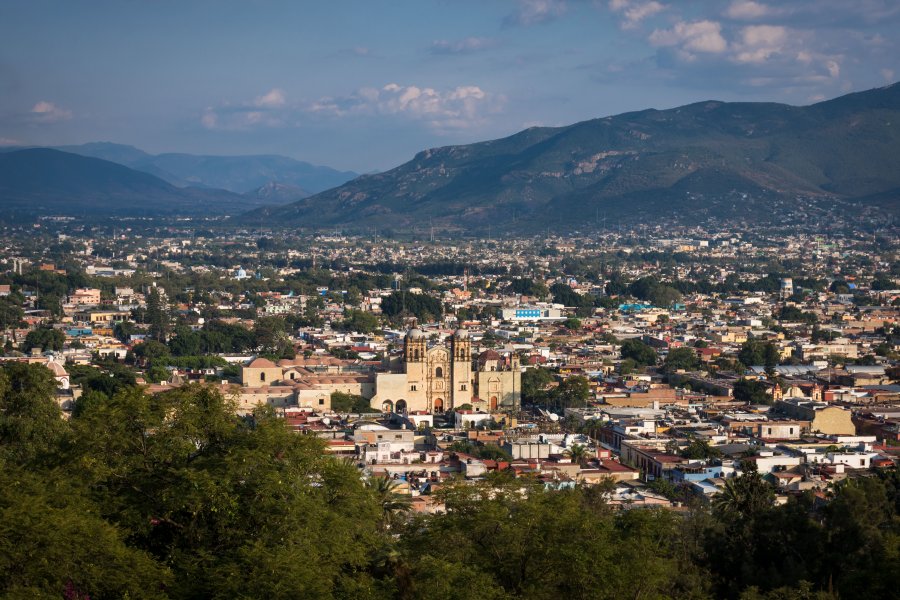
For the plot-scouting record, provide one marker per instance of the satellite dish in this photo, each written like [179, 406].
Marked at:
[326, 421]
[554, 417]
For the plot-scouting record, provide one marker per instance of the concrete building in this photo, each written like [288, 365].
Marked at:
[823, 418]
[530, 313]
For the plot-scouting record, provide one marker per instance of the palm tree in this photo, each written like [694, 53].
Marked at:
[578, 454]
[746, 495]
[392, 502]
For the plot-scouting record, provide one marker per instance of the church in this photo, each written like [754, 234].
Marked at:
[425, 377]
[444, 376]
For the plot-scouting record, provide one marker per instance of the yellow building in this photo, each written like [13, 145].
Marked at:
[445, 376]
[432, 380]
[823, 418]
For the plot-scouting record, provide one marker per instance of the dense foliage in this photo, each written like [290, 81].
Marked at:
[173, 496]
[404, 304]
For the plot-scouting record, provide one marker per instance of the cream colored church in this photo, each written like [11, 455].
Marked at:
[424, 378]
[444, 376]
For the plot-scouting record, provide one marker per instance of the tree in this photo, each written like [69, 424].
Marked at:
[157, 316]
[393, 503]
[573, 391]
[792, 313]
[639, 352]
[186, 342]
[534, 384]
[123, 330]
[682, 359]
[422, 306]
[151, 352]
[744, 496]
[700, 450]
[578, 454]
[50, 302]
[31, 427]
[572, 324]
[755, 353]
[80, 554]
[585, 551]
[182, 476]
[11, 313]
[665, 296]
[839, 287]
[751, 391]
[349, 403]
[492, 452]
[45, 338]
[359, 320]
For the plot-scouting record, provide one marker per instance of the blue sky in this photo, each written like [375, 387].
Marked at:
[364, 85]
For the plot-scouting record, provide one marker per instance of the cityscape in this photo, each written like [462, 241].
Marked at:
[653, 354]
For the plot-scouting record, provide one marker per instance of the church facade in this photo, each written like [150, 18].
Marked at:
[445, 376]
[431, 378]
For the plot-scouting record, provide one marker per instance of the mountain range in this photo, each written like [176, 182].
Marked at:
[117, 180]
[43, 181]
[239, 174]
[708, 160]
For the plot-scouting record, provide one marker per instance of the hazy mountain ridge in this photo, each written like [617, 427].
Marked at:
[278, 193]
[712, 157]
[239, 174]
[42, 181]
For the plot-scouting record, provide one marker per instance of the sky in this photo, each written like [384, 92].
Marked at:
[365, 85]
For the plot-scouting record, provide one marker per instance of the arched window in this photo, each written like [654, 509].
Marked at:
[401, 406]
[387, 406]
[439, 372]
[262, 376]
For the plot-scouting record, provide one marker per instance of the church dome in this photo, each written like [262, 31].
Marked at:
[415, 334]
[489, 355]
[58, 369]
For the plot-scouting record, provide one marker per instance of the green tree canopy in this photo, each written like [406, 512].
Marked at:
[45, 338]
[751, 391]
[682, 359]
[639, 352]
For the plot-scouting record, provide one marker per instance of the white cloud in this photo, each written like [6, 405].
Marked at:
[691, 38]
[759, 43]
[457, 108]
[47, 112]
[888, 75]
[266, 110]
[4, 141]
[463, 46]
[532, 12]
[209, 119]
[747, 10]
[275, 98]
[634, 12]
